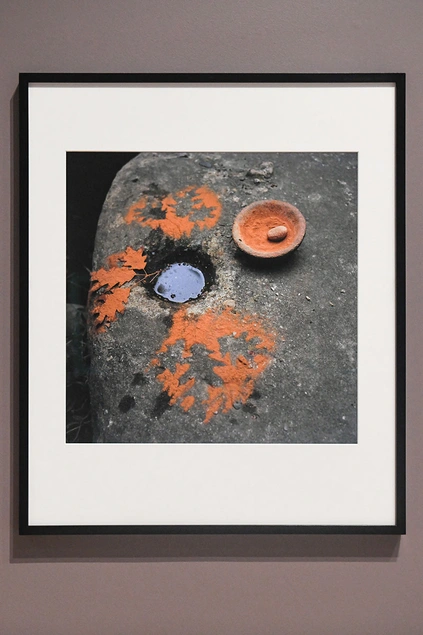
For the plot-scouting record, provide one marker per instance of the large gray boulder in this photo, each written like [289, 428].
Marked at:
[268, 352]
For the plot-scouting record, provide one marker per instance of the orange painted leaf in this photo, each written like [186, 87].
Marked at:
[111, 277]
[122, 268]
[135, 259]
[108, 305]
[130, 258]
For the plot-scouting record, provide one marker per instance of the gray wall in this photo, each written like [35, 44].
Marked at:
[201, 585]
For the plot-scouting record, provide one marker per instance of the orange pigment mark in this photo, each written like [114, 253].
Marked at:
[135, 211]
[171, 382]
[208, 199]
[122, 268]
[187, 403]
[209, 327]
[176, 224]
[237, 376]
[238, 383]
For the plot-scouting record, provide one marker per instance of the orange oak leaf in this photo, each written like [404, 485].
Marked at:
[122, 269]
[109, 278]
[108, 305]
[132, 258]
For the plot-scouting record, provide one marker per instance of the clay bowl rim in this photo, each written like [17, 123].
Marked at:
[283, 251]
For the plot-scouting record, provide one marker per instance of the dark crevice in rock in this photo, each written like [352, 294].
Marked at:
[138, 379]
[162, 403]
[126, 403]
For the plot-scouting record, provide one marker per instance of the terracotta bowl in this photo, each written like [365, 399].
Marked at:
[251, 228]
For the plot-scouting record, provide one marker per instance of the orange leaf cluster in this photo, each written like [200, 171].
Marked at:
[177, 223]
[130, 258]
[237, 376]
[121, 269]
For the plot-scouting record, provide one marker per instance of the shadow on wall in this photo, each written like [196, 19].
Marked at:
[284, 548]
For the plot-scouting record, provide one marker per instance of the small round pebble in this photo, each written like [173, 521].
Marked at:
[276, 234]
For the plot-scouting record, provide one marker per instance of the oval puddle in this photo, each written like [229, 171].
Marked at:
[180, 282]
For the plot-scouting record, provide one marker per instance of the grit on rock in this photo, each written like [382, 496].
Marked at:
[267, 353]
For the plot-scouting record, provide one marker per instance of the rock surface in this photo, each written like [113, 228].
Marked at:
[267, 353]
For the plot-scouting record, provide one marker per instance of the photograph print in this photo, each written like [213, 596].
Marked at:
[211, 297]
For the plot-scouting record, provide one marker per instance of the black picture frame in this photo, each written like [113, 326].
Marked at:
[30, 497]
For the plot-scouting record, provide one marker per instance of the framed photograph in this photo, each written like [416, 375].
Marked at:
[212, 303]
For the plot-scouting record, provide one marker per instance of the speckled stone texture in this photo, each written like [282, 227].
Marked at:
[301, 390]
